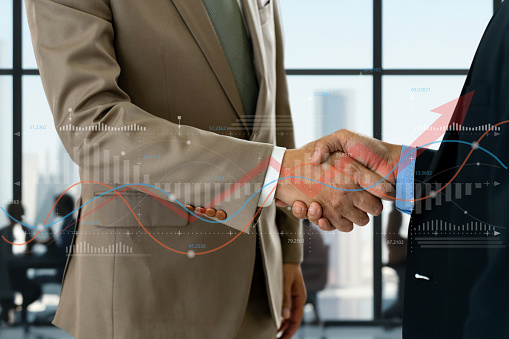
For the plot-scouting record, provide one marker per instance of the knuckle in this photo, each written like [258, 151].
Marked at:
[382, 188]
[363, 222]
[336, 205]
[346, 225]
[361, 199]
[347, 229]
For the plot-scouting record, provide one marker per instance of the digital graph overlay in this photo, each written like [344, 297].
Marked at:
[315, 187]
[197, 216]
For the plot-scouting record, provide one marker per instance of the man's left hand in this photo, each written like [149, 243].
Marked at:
[294, 299]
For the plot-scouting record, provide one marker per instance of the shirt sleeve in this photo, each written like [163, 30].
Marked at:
[405, 180]
[272, 176]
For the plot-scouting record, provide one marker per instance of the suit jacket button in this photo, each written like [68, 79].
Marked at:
[200, 210]
[211, 212]
[190, 208]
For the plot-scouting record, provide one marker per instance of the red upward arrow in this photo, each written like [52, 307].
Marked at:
[438, 128]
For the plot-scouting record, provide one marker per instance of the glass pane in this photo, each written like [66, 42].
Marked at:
[407, 105]
[28, 50]
[349, 291]
[408, 101]
[47, 168]
[324, 104]
[5, 33]
[5, 144]
[321, 105]
[433, 33]
[328, 33]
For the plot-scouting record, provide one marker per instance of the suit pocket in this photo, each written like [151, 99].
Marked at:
[110, 210]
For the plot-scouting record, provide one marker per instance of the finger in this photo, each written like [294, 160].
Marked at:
[323, 147]
[314, 212]
[372, 182]
[356, 216]
[299, 209]
[281, 203]
[343, 224]
[284, 325]
[298, 302]
[368, 203]
[325, 225]
[287, 300]
[293, 323]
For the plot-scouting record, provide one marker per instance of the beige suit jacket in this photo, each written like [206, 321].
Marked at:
[141, 92]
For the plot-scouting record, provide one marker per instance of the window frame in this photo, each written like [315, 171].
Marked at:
[377, 133]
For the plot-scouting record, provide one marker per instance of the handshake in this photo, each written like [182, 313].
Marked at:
[338, 179]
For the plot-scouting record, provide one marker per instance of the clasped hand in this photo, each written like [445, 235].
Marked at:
[338, 180]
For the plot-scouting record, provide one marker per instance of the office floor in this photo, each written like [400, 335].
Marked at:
[347, 332]
[308, 332]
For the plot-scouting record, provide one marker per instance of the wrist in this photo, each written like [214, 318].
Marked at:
[282, 192]
[286, 189]
[394, 155]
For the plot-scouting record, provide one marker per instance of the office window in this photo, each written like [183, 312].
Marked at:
[5, 33]
[408, 101]
[320, 106]
[324, 104]
[362, 58]
[28, 51]
[47, 170]
[328, 33]
[432, 33]
[6, 181]
[415, 57]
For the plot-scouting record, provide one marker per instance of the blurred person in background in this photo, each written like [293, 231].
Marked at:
[13, 279]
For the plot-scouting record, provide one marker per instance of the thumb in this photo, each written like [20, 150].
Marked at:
[287, 301]
[326, 145]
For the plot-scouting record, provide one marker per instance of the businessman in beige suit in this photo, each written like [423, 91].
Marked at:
[184, 99]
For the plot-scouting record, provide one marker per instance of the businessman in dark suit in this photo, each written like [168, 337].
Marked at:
[467, 294]
[457, 287]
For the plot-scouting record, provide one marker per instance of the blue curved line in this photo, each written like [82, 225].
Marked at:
[161, 178]
[254, 194]
[466, 143]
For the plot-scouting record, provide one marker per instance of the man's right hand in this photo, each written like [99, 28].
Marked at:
[376, 155]
[340, 187]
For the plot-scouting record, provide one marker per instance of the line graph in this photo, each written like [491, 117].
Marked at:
[115, 190]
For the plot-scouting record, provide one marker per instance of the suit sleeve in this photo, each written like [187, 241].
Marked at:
[291, 228]
[74, 47]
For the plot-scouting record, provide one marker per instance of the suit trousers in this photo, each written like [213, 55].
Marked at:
[258, 322]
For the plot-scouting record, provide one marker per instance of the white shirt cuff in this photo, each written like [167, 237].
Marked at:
[272, 176]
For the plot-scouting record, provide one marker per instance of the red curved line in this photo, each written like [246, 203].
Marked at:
[464, 162]
[257, 212]
[139, 222]
[422, 198]
[27, 242]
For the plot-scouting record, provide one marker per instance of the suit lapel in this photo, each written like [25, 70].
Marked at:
[252, 18]
[197, 20]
